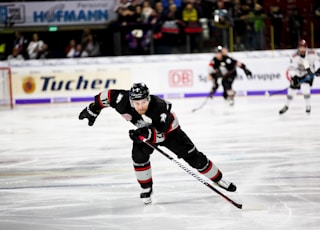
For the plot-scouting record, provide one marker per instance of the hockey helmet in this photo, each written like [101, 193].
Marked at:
[302, 43]
[139, 91]
[302, 47]
[218, 49]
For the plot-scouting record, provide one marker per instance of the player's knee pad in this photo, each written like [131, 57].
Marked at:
[230, 92]
[289, 97]
[196, 159]
[305, 89]
[291, 93]
[141, 153]
[306, 96]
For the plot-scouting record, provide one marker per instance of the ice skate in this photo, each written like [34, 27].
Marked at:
[283, 110]
[230, 97]
[145, 195]
[308, 109]
[226, 185]
[231, 102]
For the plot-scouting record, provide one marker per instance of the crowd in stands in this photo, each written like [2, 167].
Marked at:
[164, 26]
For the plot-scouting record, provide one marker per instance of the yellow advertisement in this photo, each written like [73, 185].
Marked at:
[67, 81]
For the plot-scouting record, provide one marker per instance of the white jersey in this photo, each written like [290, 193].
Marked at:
[297, 65]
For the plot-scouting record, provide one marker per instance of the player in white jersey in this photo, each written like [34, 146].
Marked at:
[300, 73]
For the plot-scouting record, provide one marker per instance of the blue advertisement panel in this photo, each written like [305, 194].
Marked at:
[58, 13]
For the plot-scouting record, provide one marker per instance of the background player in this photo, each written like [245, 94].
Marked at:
[156, 122]
[224, 67]
[302, 67]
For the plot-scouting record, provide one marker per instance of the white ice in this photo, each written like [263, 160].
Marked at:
[58, 173]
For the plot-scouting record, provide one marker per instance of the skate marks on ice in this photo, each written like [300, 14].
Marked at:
[58, 173]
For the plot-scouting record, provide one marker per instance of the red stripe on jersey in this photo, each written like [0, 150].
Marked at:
[287, 75]
[208, 168]
[99, 100]
[154, 134]
[170, 127]
[143, 168]
[109, 96]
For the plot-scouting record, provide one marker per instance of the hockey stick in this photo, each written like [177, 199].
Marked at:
[270, 93]
[310, 76]
[188, 170]
[203, 104]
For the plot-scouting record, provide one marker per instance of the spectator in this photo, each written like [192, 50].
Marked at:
[15, 55]
[166, 3]
[258, 17]
[317, 13]
[43, 52]
[137, 16]
[34, 47]
[240, 25]
[158, 17]
[198, 5]
[295, 24]
[171, 28]
[277, 21]
[247, 7]
[70, 49]
[78, 51]
[91, 47]
[21, 43]
[147, 12]
[125, 12]
[84, 37]
[193, 28]
[222, 20]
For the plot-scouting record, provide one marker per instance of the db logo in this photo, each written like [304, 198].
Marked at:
[180, 78]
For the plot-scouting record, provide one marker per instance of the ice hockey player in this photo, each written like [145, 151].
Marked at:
[159, 125]
[300, 73]
[225, 68]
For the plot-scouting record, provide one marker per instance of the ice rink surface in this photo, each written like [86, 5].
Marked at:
[58, 173]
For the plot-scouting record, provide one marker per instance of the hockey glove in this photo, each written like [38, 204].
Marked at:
[295, 82]
[247, 72]
[147, 133]
[91, 113]
[317, 73]
[219, 74]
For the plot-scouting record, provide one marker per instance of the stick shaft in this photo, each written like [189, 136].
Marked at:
[203, 104]
[280, 91]
[192, 173]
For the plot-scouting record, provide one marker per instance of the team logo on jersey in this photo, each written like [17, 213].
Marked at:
[120, 96]
[163, 117]
[140, 123]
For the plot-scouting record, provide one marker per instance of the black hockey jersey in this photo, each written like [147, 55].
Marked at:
[158, 116]
[225, 67]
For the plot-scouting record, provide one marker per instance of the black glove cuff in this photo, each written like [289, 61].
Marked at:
[96, 105]
[309, 71]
